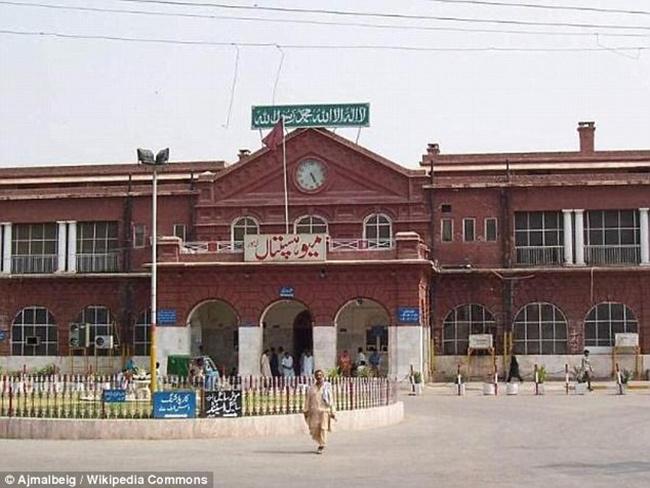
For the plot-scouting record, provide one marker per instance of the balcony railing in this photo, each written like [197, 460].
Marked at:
[98, 262]
[206, 247]
[540, 255]
[33, 263]
[612, 255]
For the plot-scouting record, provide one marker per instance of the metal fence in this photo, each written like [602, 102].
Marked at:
[76, 396]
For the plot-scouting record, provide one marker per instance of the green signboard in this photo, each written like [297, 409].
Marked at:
[341, 115]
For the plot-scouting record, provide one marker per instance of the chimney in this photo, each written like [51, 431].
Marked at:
[586, 131]
[243, 154]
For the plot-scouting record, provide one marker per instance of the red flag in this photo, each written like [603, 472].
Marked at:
[275, 137]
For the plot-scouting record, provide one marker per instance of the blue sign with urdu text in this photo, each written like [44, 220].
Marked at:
[114, 396]
[167, 316]
[408, 315]
[287, 292]
[174, 404]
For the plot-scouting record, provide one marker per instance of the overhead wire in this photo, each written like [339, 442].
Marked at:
[315, 46]
[389, 15]
[314, 22]
[574, 8]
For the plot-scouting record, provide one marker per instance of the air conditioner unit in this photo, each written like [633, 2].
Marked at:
[104, 342]
[79, 335]
[32, 340]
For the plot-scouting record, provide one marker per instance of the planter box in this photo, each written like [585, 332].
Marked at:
[581, 388]
[418, 388]
[540, 388]
[512, 388]
[488, 389]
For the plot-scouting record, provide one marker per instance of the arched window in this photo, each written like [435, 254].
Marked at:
[463, 321]
[34, 333]
[241, 227]
[378, 231]
[141, 337]
[540, 328]
[607, 319]
[101, 323]
[310, 224]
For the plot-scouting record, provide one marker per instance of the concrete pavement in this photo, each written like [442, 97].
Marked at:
[597, 440]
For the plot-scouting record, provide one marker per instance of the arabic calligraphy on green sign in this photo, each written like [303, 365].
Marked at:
[341, 115]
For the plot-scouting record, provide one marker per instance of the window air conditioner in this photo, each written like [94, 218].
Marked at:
[104, 342]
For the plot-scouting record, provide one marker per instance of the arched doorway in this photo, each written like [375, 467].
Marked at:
[288, 324]
[214, 332]
[362, 323]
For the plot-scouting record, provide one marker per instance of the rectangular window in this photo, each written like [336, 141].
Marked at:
[97, 247]
[180, 231]
[447, 230]
[469, 233]
[139, 232]
[490, 229]
[612, 237]
[539, 238]
[34, 248]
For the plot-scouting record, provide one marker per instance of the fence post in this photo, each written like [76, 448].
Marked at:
[566, 378]
[536, 381]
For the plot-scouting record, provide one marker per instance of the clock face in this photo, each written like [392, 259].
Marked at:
[311, 175]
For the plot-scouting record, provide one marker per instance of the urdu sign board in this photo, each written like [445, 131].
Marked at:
[626, 339]
[285, 247]
[480, 341]
[337, 115]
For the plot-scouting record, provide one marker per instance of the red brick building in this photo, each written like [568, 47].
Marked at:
[551, 247]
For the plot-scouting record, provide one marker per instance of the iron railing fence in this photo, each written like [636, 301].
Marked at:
[77, 396]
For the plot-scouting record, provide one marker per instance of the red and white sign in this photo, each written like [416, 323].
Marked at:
[285, 247]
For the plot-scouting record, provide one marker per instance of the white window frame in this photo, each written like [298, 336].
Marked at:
[442, 230]
[496, 229]
[473, 221]
[521, 343]
[239, 245]
[378, 242]
[629, 321]
[311, 224]
[143, 244]
[484, 323]
[51, 341]
[183, 232]
[143, 322]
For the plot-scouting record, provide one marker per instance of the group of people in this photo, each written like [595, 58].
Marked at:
[349, 368]
[282, 364]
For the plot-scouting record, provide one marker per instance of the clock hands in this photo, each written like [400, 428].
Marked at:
[313, 178]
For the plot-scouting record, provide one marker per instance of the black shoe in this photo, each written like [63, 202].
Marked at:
[320, 449]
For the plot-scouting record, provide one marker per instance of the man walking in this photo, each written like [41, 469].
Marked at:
[586, 370]
[319, 410]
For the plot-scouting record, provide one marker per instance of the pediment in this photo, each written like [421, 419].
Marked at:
[352, 173]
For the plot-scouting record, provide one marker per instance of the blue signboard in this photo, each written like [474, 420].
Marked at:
[114, 396]
[408, 315]
[287, 292]
[174, 404]
[3, 335]
[167, 316]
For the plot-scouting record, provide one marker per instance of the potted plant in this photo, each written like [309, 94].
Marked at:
[581, 386]
[489, 388]
[416, 378]
[626, 376]
[542, 374]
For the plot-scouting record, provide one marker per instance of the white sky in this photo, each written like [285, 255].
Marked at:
[71, 101]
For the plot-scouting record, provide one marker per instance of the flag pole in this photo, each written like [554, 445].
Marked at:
[286, 193]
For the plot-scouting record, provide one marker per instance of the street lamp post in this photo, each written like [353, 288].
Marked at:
[146, 156]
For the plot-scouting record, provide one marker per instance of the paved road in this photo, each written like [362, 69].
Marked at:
[554, 441]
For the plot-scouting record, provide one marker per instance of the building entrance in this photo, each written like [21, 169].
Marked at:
[214, 333]
[288, 325]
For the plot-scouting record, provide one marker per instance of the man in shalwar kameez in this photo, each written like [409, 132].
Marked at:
[319, 410]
